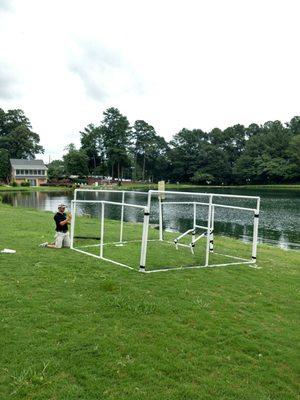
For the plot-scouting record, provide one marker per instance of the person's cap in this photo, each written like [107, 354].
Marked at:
[61, 205]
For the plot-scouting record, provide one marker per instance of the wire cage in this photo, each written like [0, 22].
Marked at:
[132, 229]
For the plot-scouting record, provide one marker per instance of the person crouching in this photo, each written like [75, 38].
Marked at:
[62, 238]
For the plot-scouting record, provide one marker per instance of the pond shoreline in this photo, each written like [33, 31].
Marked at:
[279, 222]
[154, 186]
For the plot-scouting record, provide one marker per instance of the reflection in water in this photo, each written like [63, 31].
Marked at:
[279, 217]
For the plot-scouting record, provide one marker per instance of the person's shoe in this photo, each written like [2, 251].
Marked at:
[43, 244]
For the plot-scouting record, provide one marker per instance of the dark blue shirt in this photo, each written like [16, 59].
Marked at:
[58, 217]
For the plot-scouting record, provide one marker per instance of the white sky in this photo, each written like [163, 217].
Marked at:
[175, 64]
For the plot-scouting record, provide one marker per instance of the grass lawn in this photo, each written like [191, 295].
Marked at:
[74, 327]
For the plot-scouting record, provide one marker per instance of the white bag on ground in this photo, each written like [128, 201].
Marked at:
[8, 251]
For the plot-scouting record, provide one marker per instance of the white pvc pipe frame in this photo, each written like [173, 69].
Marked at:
[147, 211]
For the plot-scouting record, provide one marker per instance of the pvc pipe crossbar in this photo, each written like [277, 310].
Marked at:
[168, 192]
[183, 202]
[199, 237]
[117, 243]
[234, 207]
[103, 258]
[207, 204]
[205, 194]
[197, 267]
[110, 202]
[110, 191]
[184, 234]
[163, 203]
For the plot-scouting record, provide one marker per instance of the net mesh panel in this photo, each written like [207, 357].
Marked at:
[177, 219]
[92, 210]
[128, 251]
[87, 226]
[233, 224]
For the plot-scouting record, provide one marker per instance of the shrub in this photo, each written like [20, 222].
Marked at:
[202, 178]
[26, 183]
[14, 184]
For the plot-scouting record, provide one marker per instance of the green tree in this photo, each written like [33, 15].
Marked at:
[149, 149]
[268, 156]
[56, 169]
[92, 142]
[294, 125]
[293, 150]
[188, 150]
[192, 153]
[231, 141]
[76, 161]
[4, 165]
[116, 135]
[158, 163]
[16, 135]
[202, 178]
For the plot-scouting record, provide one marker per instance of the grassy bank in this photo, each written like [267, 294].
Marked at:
[181, 186]
[33, 188]
[154, 186]
[75, 327]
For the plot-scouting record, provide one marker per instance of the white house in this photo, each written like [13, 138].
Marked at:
[32, 171]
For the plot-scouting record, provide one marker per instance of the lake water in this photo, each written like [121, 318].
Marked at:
[279, 222]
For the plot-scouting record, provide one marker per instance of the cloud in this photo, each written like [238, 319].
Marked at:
[103, 72]
[7, 83]
[5, 5]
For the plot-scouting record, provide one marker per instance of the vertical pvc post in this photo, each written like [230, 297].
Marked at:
[160, 216]
[149, 200]
[144, 240]
[194, 228]
[102, 229]
[73, 212]
[208, 232]
[195, 216]
[255, 231]
[211, 242]
[122, 217]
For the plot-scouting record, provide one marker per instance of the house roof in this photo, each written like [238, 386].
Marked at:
[27, 164]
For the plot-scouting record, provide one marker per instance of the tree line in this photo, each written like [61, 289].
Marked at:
[260, 154]
[267, 153]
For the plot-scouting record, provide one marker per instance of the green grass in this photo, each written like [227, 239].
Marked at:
[171, 186]
[74, 327]
[160, 255]
[33, 188]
